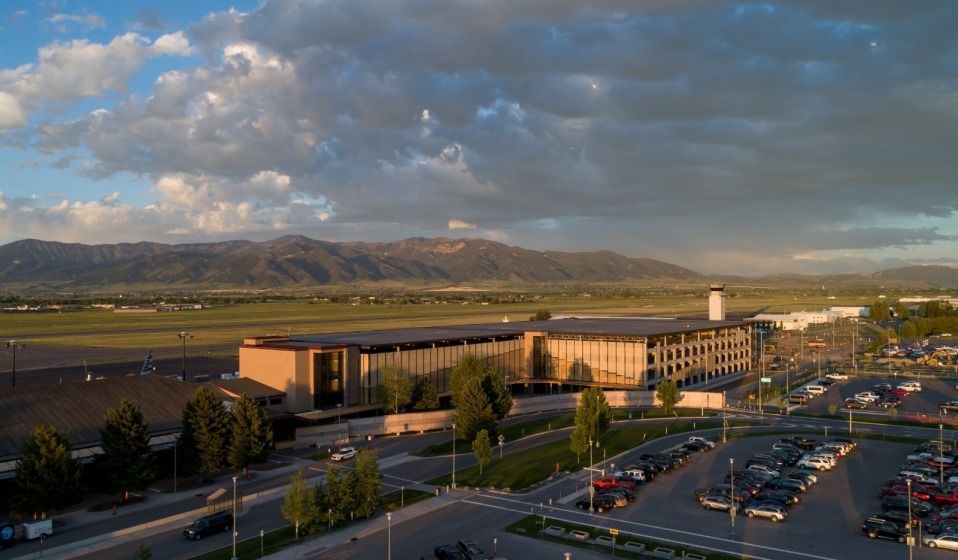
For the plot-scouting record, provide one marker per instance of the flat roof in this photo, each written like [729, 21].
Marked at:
[609, 326]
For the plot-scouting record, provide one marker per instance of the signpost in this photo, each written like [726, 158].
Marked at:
[613, 531]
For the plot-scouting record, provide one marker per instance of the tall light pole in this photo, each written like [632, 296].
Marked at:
[235, 532]
[13, 345]
[911, 541]
[731, 484]
[724, 420]
[453, 455]
[184, 335]
[389, 535]
[591, 488]
[854, 341]
[941, 464]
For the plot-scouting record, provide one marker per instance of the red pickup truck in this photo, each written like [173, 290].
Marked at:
[945, 497]
[607, 482]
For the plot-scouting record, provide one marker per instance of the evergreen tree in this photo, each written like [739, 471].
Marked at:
[364, 482]
[901, 310]
[395, 391]
[128, 461]
[424, 395]
[204, 440]
[299, 504]
[497, 393]
[252, 434]
[47, 476]
[474, 412]
[482, 449]
[668, 394]
[879, 311]
[468, 369]
[143, 554]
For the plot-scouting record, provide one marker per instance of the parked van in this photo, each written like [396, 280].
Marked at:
[216, 523]
[816, 389]
[797, 399]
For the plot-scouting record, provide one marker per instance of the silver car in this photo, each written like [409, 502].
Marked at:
[769, 511]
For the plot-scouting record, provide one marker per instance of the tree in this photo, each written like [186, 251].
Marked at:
[204, 440]
[299, 503]
[541, 315]
[252, 435]
[497, 393]
[143, 554]
[879, 311]
[580, 440]
[395, 392]
[592, 417]
[474, 412]
[469, 367]
[668, 394]
[363, 482]
[334, 496]
[47, 476]
[901, 310]
[482, 449]
[128, 461]
[424, 395]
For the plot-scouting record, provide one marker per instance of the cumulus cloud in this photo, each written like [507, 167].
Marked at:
[726, 137]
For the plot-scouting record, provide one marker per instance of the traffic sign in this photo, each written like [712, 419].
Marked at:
[613, 531]
[766, 380]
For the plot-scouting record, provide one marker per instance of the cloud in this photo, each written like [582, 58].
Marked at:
[459, 224]
[63, 22]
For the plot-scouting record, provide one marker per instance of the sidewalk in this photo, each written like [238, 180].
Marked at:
[314, 544]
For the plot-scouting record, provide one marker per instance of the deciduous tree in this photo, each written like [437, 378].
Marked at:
[252, 434]
[482, 449]
[299, 503]
[668, 393]
[541, 315]
[395, 391]
[363, 482]
[128, 461]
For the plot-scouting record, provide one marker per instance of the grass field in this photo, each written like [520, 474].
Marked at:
[227, 325]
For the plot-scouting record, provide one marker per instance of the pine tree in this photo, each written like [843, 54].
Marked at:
[395, 391]
[299, 504]
[334, 496]
[424, 395]
[143, 554]
[482, 449]
[128, 461]
[47, 476]
[474, 412]
[252, 435]
[469, 368]
[498, 394]
[205, 438]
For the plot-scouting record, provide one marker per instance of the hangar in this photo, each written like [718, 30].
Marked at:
[325, 375]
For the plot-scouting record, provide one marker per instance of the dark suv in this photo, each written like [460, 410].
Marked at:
[216, 523]
[876, 528]
[448, 552]
[471, 549]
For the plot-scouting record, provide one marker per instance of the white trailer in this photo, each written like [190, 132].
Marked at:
[39, 529]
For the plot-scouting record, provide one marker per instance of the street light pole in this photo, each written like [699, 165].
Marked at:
[911, 542]
[13, 345]
[235, 532]
[941, 464]
[453, 455]
[184, 335]
[389, 535]
[591, 488]
[731, 483]
[854, 341]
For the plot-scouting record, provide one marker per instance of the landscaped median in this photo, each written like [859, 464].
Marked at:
[601, 539]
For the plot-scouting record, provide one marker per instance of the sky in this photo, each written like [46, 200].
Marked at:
[803, 136]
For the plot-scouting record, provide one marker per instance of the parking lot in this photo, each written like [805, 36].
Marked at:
[828, 521]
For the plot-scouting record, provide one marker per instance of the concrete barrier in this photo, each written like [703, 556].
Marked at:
[666, 553]
[634, 547]
[604, 541]
[554, 531]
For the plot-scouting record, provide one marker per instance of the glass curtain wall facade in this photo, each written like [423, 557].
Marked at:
[435, 361]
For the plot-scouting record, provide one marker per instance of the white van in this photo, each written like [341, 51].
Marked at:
[816, 389]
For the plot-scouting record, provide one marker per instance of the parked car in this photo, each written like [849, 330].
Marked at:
[896, 516]
[856, 403]
[471, 549]
[344, 454]
[837, 376]
[910, 386]
[717, 502]
[901, 502]
[805, 476]
[950, 406]
[819, 463]
[876, 528]
[942, 540]
[789, 484]
[209, 524]
[785, 497]
[769, 511]
[448, 552]
[706, 441]
[867, 396]
[800, 442]
[598, 502]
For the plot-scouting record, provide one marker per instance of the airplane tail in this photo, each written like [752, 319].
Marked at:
[148, 366]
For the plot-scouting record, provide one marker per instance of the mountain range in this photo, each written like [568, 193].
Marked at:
[300, 262]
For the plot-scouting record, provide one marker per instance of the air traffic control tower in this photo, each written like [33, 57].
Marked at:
[716, 302]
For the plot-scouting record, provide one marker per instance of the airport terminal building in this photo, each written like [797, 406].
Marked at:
[340, 373]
